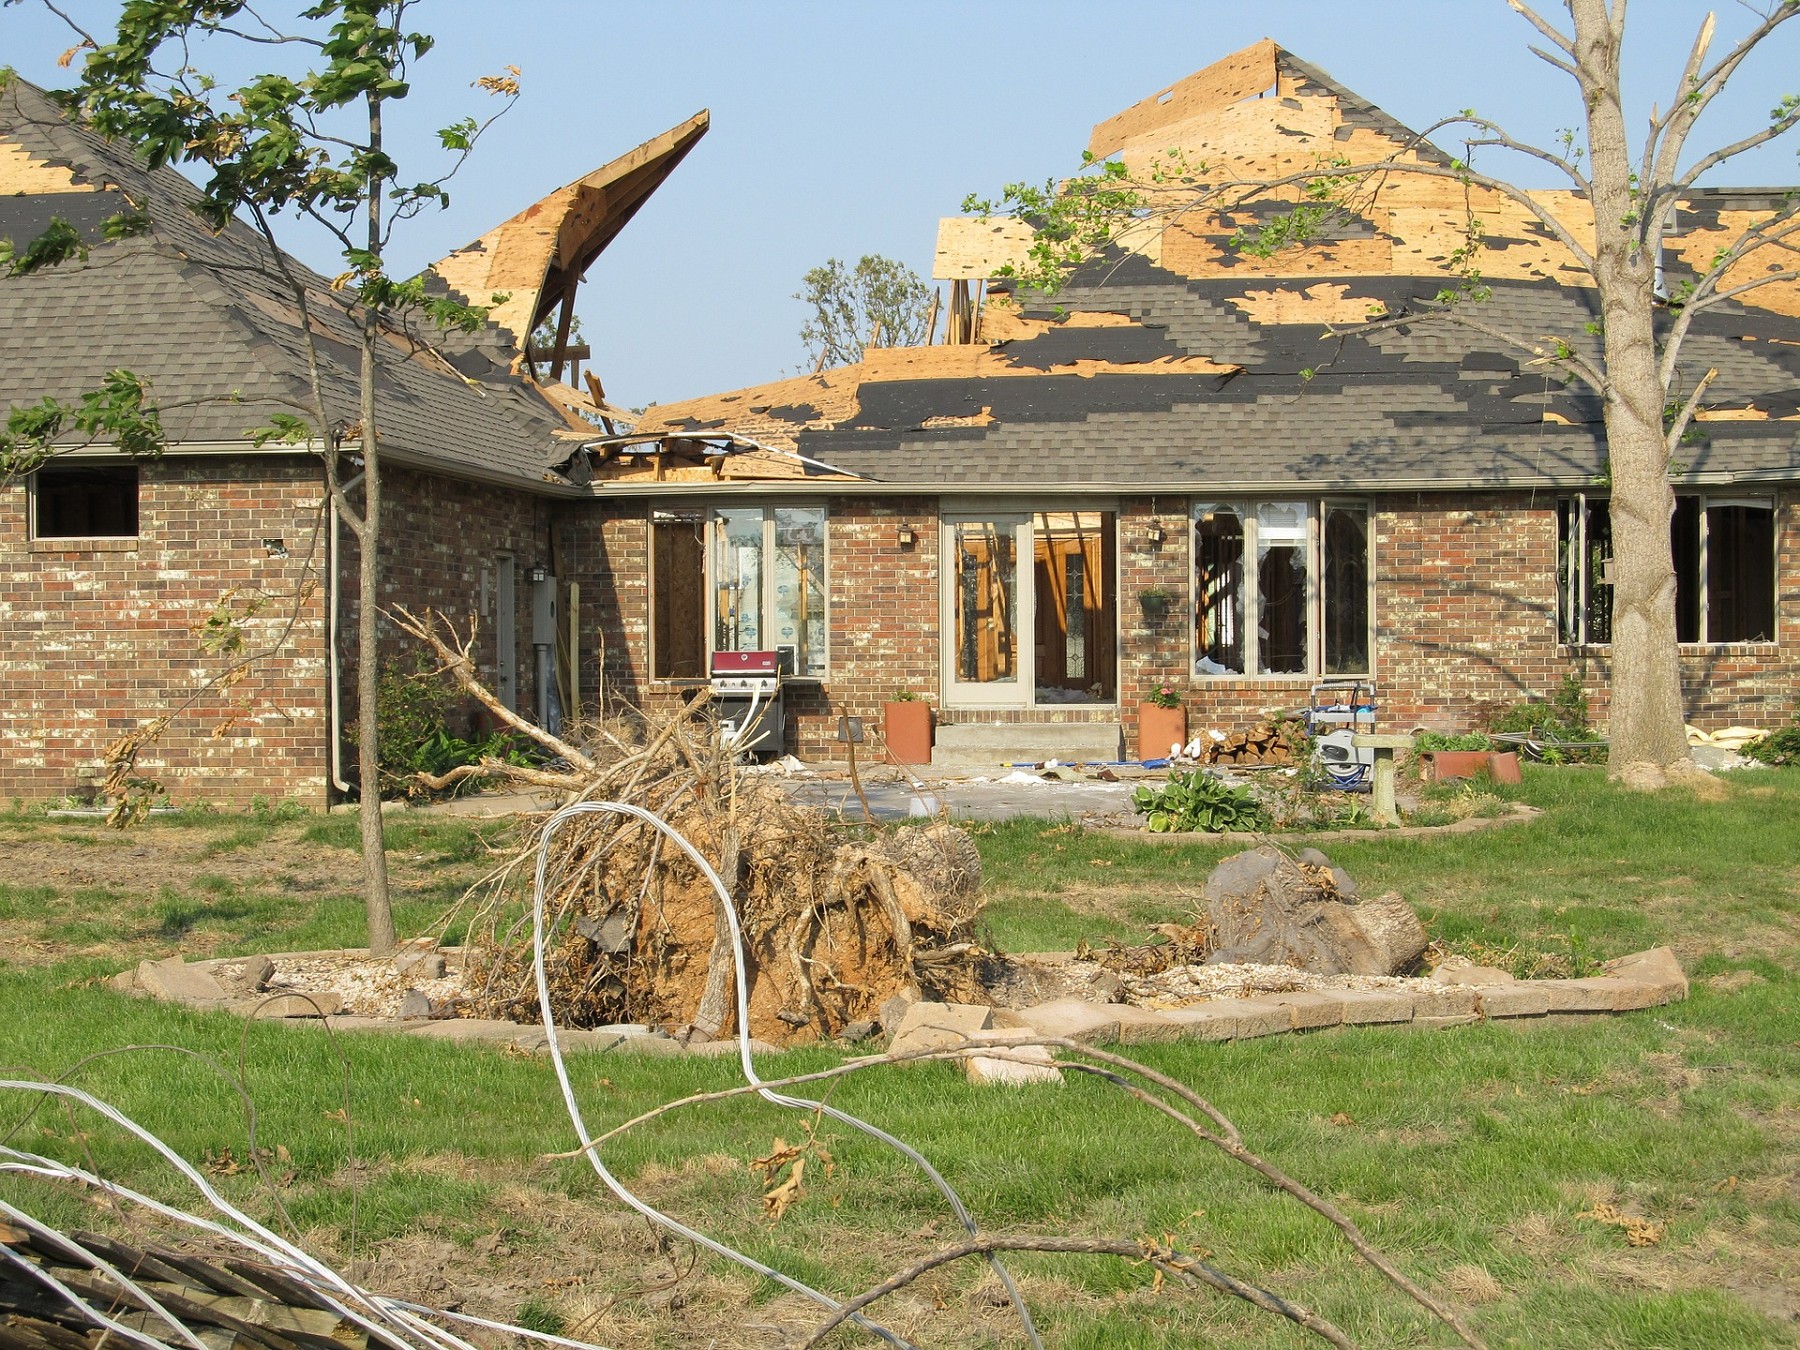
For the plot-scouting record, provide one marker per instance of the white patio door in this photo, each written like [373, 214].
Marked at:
[987, 609]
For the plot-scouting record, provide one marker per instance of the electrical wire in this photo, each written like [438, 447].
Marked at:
[617, 1187]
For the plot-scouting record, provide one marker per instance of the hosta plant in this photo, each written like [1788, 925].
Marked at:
[1197, 801]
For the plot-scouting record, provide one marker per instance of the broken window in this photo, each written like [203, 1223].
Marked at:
[678, 595]
[734, 579]
[1304, 604]
[1723, 550]
[85, 502]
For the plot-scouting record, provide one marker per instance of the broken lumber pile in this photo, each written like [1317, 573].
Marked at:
[1263, 744]
[224, 1303]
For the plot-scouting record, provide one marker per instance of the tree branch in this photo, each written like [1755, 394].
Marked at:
[1167, 1259]
[1544, 26]
[1678, 428]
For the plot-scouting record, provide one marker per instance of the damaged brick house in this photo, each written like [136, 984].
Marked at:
[1176, 472]
[110, 568]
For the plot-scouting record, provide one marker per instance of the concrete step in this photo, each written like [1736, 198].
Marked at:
[987, 745]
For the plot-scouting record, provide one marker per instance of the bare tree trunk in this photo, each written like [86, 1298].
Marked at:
[376, 900]
[1645, 723]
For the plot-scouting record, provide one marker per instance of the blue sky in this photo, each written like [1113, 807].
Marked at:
[849, 127]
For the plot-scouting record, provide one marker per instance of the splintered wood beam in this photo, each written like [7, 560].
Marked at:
[562, 329]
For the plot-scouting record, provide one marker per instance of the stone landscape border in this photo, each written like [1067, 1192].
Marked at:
[1518, 815]
[1461, 994]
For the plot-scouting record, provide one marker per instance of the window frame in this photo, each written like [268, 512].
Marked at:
[1574, 604]
[709, 514]
[34, 495]
[1316, 510]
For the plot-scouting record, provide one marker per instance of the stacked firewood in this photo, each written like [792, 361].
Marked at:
[1263, 744]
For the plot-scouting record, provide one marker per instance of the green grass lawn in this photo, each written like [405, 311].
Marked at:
[1470, 1155]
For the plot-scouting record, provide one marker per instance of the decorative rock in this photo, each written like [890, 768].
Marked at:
[299, 1005]
[1023, 1064]
[1214, 1020]
[1365, 1006]
[1072, 1019]
[1452, 1000]
[177, 982]
[939, 1026]
[418, 965]
[1658, 966]
[252, 977]
[1461, 970]
[1261, 1017]
[1147, 1026]
[414, 1004]
[1520, 998]
[1308, 1010]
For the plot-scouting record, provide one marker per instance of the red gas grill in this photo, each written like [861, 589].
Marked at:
[747, 692]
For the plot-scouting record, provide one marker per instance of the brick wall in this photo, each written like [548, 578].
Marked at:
[1464, 610]
[441, 541]
[98, 638]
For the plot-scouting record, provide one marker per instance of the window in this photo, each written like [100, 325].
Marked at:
[1724, 555]
[85, 502]
[737, 578]
[1281, 588]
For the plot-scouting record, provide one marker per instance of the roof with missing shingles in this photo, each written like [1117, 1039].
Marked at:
[1185, 364]
[210, 320]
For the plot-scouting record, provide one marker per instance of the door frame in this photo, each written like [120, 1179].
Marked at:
[1020, 691]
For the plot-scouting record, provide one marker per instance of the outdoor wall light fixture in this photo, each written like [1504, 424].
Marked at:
[1154, 535]
[275, 548]
[538, 574]
[907, 537]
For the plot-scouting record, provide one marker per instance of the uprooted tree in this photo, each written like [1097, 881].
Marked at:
[308, 142]
[1612, 226]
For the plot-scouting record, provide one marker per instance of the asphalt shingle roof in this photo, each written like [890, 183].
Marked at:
[210, 321]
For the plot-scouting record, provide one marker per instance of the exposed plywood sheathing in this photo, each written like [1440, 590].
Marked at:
[538, 257]
[1244, 74]
[973, 248]
[1263, 114]
[1325, 303]
[21, 175]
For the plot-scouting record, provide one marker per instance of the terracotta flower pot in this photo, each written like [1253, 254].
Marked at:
[1457, 763]
[1158, 729]
[906, 728]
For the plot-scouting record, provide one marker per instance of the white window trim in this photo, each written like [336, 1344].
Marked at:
[78, 542]
[1316, 508]
[709, 513]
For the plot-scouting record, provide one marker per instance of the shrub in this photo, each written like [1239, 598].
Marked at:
[1197, 801]
[1778, 747]
[1564, 717]
[413, 706]
[1437, 740]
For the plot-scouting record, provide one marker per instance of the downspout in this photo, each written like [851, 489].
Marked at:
[335, 677]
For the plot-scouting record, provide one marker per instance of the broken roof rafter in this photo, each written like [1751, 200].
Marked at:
[539, 257]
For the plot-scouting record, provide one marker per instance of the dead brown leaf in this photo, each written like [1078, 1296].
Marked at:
[1639, 1231]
